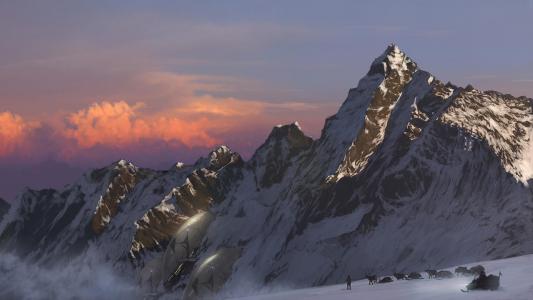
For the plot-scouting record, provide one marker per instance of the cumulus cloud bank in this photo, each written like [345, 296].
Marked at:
[117, 124]
[14, 131]
[183, 111]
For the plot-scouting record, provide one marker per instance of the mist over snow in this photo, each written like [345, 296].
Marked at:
[25, 281]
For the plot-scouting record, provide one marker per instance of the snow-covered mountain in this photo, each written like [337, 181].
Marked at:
[411, 172]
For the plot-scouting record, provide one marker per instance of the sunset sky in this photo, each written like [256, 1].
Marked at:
[155, 82]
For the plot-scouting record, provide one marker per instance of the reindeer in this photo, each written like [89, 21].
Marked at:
[444, 274]
[431, 273]
[400, 276]
[461, 271]
[372, 279]
[414, 275]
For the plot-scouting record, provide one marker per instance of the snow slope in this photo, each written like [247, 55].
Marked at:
[515, 284]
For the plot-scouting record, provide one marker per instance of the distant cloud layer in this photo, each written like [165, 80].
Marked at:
[183, 114]
[118, 124]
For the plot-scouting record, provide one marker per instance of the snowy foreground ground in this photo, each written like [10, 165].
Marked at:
[516, 284]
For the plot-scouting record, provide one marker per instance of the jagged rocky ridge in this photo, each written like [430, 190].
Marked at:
[410, 172]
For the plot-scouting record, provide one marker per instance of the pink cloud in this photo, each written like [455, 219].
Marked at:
[167, 117]
[14, 132]
[119, 124]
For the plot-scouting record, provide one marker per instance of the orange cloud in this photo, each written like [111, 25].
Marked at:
[14, 131]
[119, 124]
[203, 121]
[189, 133]
[182, 112]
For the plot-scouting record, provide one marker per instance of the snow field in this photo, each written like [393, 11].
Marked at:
[516, 283]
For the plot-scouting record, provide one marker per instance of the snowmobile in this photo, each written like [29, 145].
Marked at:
[483, 282]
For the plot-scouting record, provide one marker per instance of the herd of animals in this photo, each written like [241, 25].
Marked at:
[481, 280]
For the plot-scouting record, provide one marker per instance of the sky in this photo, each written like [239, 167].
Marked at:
[86, 83]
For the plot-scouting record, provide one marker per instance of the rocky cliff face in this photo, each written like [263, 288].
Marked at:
[410, 172]
[124, 179]
[199, 192]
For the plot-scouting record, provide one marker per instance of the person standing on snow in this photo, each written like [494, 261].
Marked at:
[482, 280]
[348, 282]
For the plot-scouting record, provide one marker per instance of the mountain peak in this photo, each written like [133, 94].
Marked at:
[393, 48]
[274, 157]
[122, 164]
[222, 156]
[292, 133]
[293, 124]
[179, 165]
[393, 58]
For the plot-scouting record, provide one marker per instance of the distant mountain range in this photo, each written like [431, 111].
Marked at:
[411, 172]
